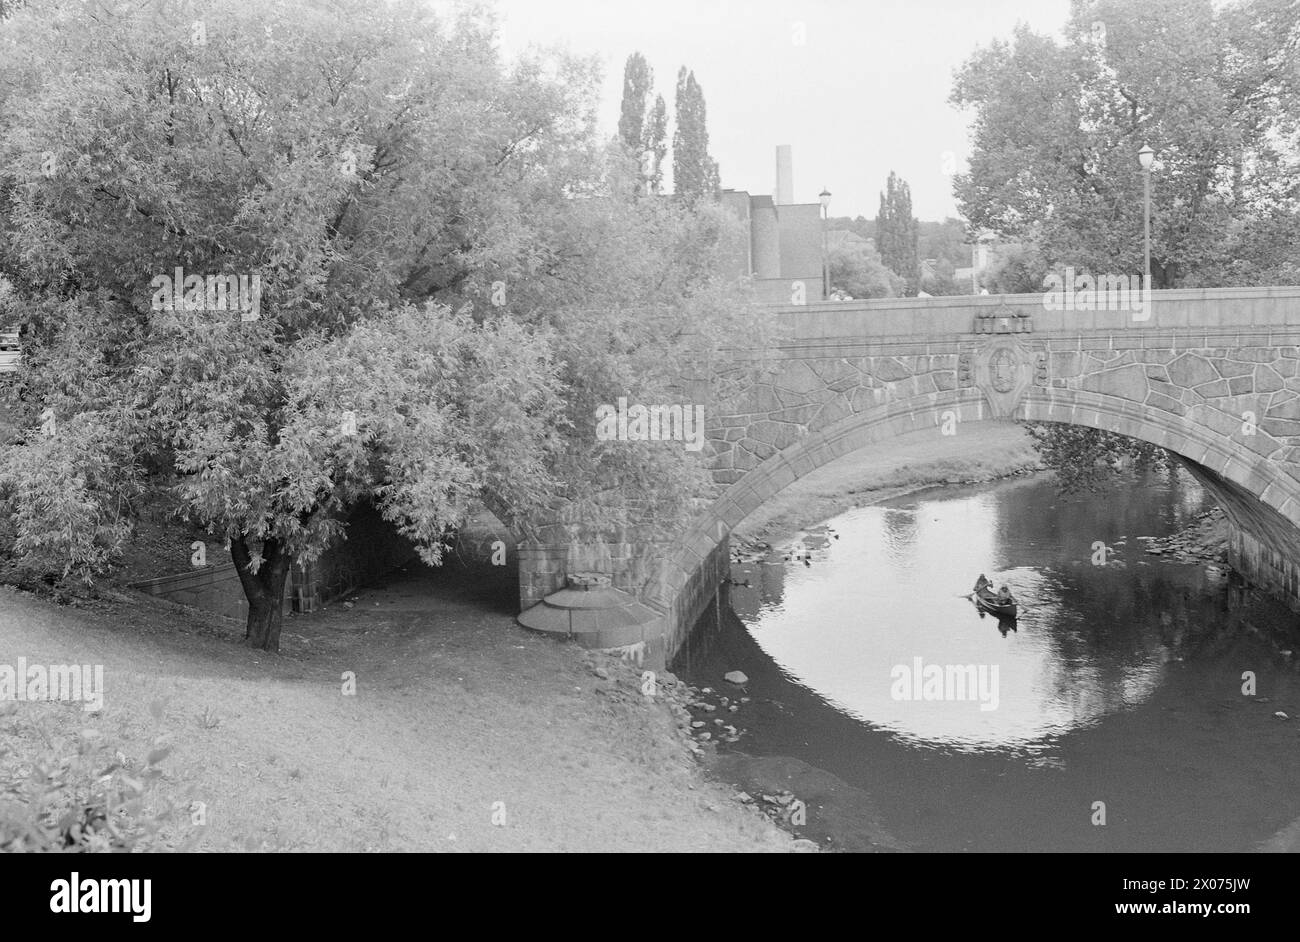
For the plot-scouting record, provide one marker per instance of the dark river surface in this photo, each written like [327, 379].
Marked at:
[1121, 683]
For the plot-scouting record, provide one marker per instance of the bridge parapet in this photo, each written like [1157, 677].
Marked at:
[1172, 309]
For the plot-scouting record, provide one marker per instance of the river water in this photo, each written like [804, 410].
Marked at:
[1111, 716]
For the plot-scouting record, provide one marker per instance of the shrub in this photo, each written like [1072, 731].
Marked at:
[65, 500]
[82, 795]
[1086, 459]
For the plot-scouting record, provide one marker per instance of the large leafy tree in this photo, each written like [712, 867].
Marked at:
[1057, 127]
[856, 270]
[1016, 269]
[633, 292]
[944, 242]
[452, 274]
[353, 166]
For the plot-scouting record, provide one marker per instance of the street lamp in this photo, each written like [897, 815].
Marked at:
[1146, 156]
[825, 197]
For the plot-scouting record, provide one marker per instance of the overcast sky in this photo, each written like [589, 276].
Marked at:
[866, 92]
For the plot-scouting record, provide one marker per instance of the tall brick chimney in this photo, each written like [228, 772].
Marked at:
[784, 195]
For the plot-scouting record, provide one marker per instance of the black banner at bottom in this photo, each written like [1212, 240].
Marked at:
[214, 892]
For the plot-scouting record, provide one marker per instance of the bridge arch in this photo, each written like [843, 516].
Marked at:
[1219, 457]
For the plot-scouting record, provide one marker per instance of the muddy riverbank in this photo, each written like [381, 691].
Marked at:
[909, 463]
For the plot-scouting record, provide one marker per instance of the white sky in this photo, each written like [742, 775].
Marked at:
[866, 93]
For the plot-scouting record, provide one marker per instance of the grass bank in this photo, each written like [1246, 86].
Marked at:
[417, 717]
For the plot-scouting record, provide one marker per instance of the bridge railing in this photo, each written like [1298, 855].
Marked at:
[945, 317]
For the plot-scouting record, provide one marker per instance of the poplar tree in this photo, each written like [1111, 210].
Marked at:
[695, 173]
[897, 233]
[637, 80]
[655, 140]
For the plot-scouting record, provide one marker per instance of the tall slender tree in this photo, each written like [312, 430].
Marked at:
[638, 78]
[897, 231]
[695, 173]
[655, 140]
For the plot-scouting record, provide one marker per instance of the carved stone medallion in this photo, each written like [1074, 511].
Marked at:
[1003, 368]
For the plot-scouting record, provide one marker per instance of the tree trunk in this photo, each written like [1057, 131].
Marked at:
[264, 591]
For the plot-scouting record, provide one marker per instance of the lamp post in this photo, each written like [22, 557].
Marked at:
[825, 197]
[1146, 156]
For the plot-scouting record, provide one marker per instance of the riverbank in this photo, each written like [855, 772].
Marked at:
[908, 463]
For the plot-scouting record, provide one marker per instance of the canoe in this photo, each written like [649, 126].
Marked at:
[990, 603]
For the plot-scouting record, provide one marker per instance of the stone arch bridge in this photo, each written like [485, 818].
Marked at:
[1213, 375]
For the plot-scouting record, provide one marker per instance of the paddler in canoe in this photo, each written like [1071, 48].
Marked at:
[1001, 603]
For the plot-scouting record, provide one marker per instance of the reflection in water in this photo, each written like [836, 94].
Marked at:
[893, 588]
[1101, 659]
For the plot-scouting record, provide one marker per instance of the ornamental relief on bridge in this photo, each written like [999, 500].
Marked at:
[1003, 319]
[1003, 367]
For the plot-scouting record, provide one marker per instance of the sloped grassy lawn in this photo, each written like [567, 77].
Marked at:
[459, 716]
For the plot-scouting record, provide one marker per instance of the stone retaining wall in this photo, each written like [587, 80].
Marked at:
[373, 549]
